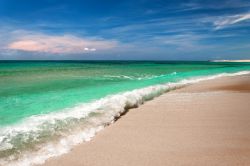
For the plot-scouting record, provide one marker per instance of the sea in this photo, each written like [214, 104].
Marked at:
[48, 107]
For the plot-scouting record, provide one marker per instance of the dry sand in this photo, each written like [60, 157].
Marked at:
[203, 124]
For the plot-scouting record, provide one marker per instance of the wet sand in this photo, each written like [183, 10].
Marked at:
[207, 123]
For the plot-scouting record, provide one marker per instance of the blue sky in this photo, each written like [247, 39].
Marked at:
[129, 30]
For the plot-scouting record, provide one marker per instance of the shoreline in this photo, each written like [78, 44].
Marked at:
[245, 60]
[146, 135]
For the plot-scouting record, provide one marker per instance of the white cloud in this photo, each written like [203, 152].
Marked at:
[230, 20]
[56, 44]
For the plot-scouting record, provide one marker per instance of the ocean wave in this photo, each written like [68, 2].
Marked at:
[40, 137]
[145, 77]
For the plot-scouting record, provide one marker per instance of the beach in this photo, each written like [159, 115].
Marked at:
[49, 108]
[161, 83]
[245, 60]
[201, 124]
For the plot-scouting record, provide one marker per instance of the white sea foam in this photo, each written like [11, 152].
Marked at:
[105, 111]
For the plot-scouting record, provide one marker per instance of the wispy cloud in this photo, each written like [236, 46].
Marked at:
[216, 5]
[186, 41]
[56, 44]
[230, 20]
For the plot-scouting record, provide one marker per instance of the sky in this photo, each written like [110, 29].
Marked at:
[124, 30]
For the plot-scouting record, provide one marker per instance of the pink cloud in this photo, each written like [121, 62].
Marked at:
[66, 44]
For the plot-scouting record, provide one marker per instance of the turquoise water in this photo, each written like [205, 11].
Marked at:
[32, 89]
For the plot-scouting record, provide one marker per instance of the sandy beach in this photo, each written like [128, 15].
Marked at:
[207, 123]
[245, 60]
